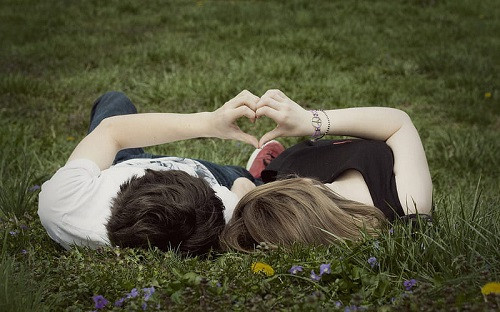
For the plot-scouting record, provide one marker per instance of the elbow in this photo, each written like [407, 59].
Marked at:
[108, 128]
[424, 203]
[402, 115]
[395, 116]
[401, 119]
[429, 204]
[107, 124]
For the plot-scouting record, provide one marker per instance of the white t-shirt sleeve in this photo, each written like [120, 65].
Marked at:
[65, 198]
[74, 205]
[229, 199]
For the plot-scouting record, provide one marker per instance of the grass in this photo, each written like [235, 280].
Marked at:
[437, 60]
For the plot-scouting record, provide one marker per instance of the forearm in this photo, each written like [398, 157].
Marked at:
[139, 130]
[142, 130]
[377, 123]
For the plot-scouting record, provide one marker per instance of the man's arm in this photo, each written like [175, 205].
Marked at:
[140, 130]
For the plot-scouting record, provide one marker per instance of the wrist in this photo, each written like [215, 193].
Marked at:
[210, 124]
[320, 122]
[316, 123]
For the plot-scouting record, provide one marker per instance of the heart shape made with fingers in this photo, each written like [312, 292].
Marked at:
[289, 117]
[257, 128]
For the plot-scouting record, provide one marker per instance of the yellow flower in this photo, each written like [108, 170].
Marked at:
[491, 288]
[487, 95]
[70, 138]
[262, 267]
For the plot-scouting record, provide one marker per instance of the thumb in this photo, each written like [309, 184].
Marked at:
[269, 136]
[246, 138]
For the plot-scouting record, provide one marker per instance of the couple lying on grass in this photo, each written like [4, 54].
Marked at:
[110, 192]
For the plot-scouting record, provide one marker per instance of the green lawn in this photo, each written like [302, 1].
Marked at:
[437, 60]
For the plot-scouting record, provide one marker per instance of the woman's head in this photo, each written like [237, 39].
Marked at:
[297, 210]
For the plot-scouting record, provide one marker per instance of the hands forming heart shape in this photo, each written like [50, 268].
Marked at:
[291, 119]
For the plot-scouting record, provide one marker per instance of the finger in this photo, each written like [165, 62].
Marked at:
[247, 97]
[244, 92]
[268, 112]
[249, 100]
[244, 111]
[276, 132]
[253, 97]
[275, 94]
[278, 95]
[267, 101]
[246, 138]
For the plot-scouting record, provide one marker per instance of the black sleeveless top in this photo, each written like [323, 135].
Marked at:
[326, 160]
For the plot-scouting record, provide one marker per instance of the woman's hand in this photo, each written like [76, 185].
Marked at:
[290, 117]
[241, 186]
[224, 118]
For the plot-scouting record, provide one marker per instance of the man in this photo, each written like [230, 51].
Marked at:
[111, 192]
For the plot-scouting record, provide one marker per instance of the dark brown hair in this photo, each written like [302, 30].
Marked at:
[167, 209]
[297, 210]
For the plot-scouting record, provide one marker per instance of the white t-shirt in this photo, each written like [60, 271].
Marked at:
[75, 204]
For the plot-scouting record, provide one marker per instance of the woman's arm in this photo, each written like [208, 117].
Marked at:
[140, 130]
[391, 125]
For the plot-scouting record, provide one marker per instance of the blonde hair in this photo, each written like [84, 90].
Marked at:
[297, 210]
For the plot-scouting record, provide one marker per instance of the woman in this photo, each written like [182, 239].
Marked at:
[341, 188]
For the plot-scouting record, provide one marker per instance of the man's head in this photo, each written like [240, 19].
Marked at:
[169, 210]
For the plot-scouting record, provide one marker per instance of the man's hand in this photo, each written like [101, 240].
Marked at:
[224, 118]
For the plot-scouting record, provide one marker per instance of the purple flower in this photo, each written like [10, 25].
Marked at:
[391, 231]
[133, 293]
[315, 277]
[119, 302]
[24, 251]
[350, 308]
[144, 306]
[218, 284]
[324, 268]
[148, 292]
[34, 188]
[13, 233]
[372, 261]
[100, 301]
[408, 284]
[338, 304]
[295, 269]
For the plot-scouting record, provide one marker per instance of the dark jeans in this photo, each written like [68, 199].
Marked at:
[116, 103]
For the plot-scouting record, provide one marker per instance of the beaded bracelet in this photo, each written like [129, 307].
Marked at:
[317, 122]
[327, 126]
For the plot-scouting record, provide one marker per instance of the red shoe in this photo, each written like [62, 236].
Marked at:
[261, 157]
